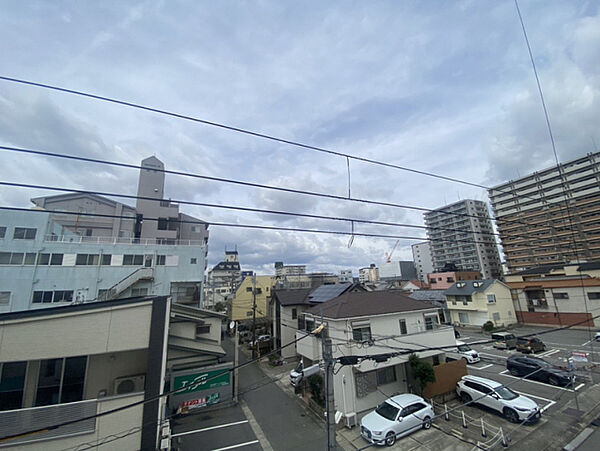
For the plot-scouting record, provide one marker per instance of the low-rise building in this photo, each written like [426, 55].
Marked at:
[368, 323]
[252, 291]
[475, 302]
[558, 294]
[368, 274]
[444, 280]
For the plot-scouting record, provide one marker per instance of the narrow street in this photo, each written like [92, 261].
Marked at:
[266, 418]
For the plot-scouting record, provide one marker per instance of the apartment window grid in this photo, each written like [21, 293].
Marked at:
[2, 231]
[24, 233]
[61, 380]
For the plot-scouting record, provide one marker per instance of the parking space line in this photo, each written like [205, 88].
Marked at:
[504, 373]
[579, 386]
[543, 409]
[481, 367]
[550, 352]
[219, 426]
[494, 355]
[239, 445]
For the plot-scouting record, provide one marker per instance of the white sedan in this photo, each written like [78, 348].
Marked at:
[396, 417]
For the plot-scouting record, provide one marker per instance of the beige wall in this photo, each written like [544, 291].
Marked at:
[481, 311]
[113, 329]
[243, 301]
[103, 369]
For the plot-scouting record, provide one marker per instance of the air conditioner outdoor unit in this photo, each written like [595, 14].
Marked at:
[129, 384]
[351, 420]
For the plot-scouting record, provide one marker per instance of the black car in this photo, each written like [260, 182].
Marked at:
[538, 369]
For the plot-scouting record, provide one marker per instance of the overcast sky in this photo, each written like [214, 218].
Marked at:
[441, 86]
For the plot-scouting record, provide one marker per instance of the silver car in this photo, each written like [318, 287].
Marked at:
[396, 417]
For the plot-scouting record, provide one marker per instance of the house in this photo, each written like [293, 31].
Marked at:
[444, 280]
[365, 323]
[558, 294]
[475, 302]
[256, 289]
[43, 263]
[437, 298]
[69, 362]
[413, 285]
[288, 306]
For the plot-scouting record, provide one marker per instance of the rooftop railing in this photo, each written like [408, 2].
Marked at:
[121, 240]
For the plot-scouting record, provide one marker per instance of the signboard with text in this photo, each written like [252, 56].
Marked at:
[199, 388]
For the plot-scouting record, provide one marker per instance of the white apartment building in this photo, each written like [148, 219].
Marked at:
[461, 234]
[346, 276]
[422, 259]
[43, 263]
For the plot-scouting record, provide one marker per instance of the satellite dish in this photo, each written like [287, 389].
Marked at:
[232, 324]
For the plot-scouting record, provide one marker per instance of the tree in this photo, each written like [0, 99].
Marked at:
[422, 371]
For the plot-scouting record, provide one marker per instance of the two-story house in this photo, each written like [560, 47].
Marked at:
[475, 302]
[252, 290]
[367, 323]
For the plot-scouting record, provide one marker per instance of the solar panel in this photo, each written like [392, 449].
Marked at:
[325, 293]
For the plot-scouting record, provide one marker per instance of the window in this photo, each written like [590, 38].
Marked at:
[249, 289]
[133, 260]
[60, 380]
[361, 332]
[5, 258]
[386, 375]
[30, 258]
[294, 313]
[403, 330]
[463, 317]
[12, 383]
[561, 295]
[449, 279]
[46, 297]
[63, 296]
[2, 232]
[106, 259]
[161, 259]
[4, 297]
[202, 329]
[139, 292]
[248, 313]
[162, 223]
[595, 295]
[431, 322]
[43, 259]
[23, 233]
[193, 261]
[88, 232]
[258, 290]
[496, 317]
[56, 259]
[491, 298]
[87, 259]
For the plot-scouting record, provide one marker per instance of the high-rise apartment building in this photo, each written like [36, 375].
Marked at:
[550, 216]
[462, 234]
[422, 258]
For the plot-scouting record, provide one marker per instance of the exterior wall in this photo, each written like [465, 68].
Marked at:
[556, 309]
[103, 369]
[244, 299]
[469, 220]
[534, 205]
[86, 281]
[289, 326]
[397, 270]
[480, 310]
[105, 426]
[346, 276]
[444, 280]
[345, 383]
[422, 258]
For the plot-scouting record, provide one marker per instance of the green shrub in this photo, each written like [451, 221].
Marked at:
[422, 371]
[315, 385]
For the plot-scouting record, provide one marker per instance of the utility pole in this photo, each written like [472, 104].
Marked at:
[254, 345]
[329, 402]
[235, 363]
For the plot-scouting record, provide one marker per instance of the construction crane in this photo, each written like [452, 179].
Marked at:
[388, 256]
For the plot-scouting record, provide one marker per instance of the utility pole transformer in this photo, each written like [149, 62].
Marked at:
[329, 401]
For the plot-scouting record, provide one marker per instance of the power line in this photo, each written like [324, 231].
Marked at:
[239, 130]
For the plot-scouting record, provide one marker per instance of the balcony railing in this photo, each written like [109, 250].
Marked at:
[120, 240]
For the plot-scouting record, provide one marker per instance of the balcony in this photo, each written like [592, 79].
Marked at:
[118, 240]
[308, 345]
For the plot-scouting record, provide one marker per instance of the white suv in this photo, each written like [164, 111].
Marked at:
[514, 407]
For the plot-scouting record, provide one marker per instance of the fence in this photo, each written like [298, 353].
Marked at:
[447, 376]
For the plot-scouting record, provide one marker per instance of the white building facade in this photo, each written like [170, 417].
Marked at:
[422, 258]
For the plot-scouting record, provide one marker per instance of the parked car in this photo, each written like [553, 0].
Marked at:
[489, 393]
[504, 340]
[538, 369]
[462, 351]
[597, 336]
[396, 417]
[260, 340]
[530, 344]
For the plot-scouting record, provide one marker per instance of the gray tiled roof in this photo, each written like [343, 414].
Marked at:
[469, 287]
[367, 303]
[292, 297]
[428, 295]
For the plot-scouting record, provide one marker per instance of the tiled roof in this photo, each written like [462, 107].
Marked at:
[292, 297]
[468, 287]
[367, 303]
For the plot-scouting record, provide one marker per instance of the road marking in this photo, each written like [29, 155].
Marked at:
[494, 355]
[503, 373]
[586, 343]
[209, 428]
[579, 386]
[547, 353]
[239, 445]
[543, 409]
[481, 367]
[260, 435]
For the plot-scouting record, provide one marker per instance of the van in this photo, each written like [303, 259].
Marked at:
[504, 340]
[462, 351]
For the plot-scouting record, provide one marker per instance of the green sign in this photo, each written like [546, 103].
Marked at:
[201, 381]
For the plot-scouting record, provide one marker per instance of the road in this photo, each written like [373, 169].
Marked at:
[266, 418]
